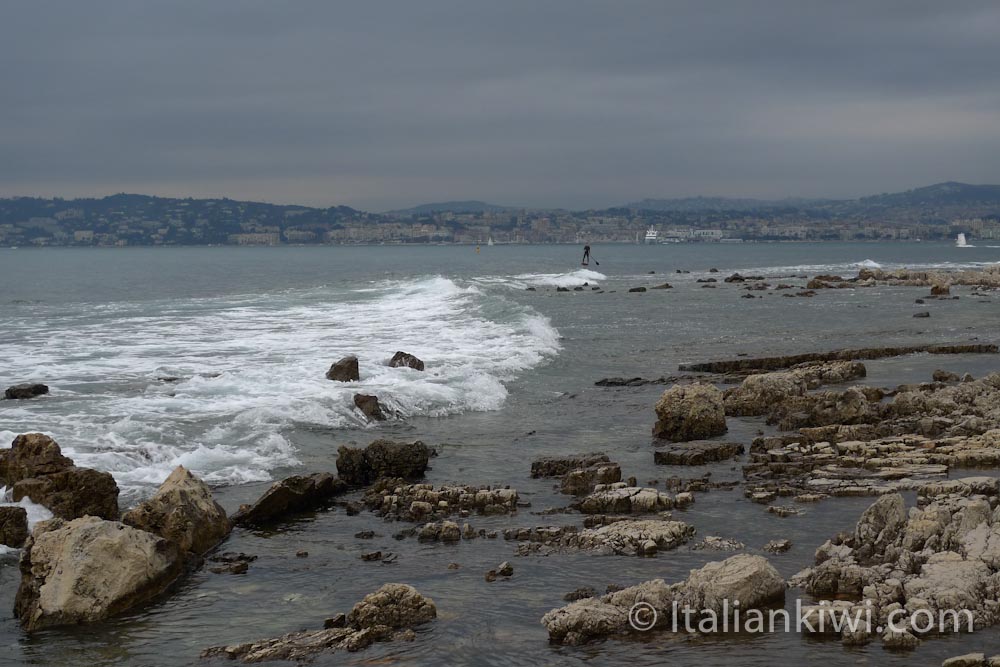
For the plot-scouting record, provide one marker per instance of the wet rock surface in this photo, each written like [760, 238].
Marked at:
[383, 458]
[35, 468]
[387, 614]
[407, 360]
[396, 499]
[344, 370]
[298, 493]
[24, 391]
[13, 526]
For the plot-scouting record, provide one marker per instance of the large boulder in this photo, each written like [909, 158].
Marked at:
[21, 391]
[299, 493]
[89, 569]
[750, 579]
[13, 526]
[406, 359]
[35, 468]
[345, 370]
[882, 522]
[182, 511]
[382, 458]
[690, 412]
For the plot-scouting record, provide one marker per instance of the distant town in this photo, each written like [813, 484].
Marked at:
[932, 213]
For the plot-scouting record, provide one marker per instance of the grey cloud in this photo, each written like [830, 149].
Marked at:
[563, 103]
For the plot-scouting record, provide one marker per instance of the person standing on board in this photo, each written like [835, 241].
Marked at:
[586, 256]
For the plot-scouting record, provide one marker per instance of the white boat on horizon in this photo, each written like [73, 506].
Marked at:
[651, 235]
[961, 242]
[489, 241]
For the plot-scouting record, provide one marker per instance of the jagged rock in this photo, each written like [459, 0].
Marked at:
[967, 660]
[717, 543]
[697, 452]
[945, 376]
[922, 313]
[345, 370]
[749, 579]
[382, 458]
[89, 569]
[389, 613]
[298, 493]
[690, 412]
[31, 455]
[505, 569]
[940, 290]
[22, 391]
[184, 512]
[637, 289]
[405, 359]
[444, 531]
[13, 526]
[580, 594]
[35, 468]
[369, 406]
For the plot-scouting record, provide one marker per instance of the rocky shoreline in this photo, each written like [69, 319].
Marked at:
[830, 438]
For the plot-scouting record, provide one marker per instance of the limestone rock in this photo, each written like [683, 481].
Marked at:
[697, 452]
[690, 412]
[184, 512]
[89, 569]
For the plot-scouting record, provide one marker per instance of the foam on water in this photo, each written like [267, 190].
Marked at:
[570, 279]
[215, 384]
[35, 512]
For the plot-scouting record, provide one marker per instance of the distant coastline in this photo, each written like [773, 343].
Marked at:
[934, 213]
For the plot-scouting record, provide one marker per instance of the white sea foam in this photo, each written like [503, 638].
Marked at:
[570, 279]
[218, 384]
[868, 264]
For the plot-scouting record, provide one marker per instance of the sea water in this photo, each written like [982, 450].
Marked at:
[214, 358]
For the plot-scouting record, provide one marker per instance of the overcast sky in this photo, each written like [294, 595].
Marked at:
[380, 105]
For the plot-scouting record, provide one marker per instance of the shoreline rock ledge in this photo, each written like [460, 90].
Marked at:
[750, 579]
[389, 613]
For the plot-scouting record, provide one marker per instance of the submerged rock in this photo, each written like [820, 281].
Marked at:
[389, 613]
[22, 391]
[406, 359]
[690, 412]
[184, 512]
[298, 493]
[89, 569]
[345, 370]
[557, 466]
[395, 499]
[622, 499]
[382, 458]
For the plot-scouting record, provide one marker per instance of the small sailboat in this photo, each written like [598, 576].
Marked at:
[489, 241]
[960, 242]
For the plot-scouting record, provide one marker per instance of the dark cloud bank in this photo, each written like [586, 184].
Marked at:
[572, 103]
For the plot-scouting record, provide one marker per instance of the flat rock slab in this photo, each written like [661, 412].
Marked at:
[697, 452]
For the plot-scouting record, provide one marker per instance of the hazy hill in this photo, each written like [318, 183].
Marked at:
[466, 206]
